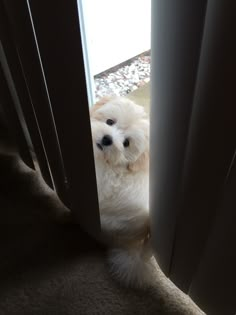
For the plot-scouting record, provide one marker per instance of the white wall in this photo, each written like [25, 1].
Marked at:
[116, 30]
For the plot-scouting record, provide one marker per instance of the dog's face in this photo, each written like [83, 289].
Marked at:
[120, 131]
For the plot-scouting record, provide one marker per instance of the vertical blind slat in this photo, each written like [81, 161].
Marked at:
[61, 51]
[212, 140]
[23, 94]
[19, 16]
[177, 29]
[8, 103]
[213, 287]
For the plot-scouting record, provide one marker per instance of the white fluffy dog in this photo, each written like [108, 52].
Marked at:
[120, 131]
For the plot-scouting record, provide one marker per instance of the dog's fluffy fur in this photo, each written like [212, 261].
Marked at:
[120, 131]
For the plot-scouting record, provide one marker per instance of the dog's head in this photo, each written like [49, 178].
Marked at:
[120, 131]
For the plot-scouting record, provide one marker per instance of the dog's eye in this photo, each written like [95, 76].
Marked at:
[126, 143]
[110, 122]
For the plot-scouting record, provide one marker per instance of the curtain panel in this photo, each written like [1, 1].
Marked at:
[193, 138]
[47, 51]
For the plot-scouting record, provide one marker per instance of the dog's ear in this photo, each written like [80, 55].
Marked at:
[100, 103]
[141, 164]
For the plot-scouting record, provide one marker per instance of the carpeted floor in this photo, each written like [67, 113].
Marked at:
[58, 271]
[48, 269]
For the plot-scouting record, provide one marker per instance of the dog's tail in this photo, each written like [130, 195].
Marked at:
[133, 267]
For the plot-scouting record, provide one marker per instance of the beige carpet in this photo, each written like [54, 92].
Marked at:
[56, 269]
[48, 268]
[53, 272]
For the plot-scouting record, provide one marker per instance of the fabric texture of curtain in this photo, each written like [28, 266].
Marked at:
[193, 138]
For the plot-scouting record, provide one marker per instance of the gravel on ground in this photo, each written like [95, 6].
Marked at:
[124, 78]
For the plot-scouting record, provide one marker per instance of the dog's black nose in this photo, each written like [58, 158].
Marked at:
[107, 140]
